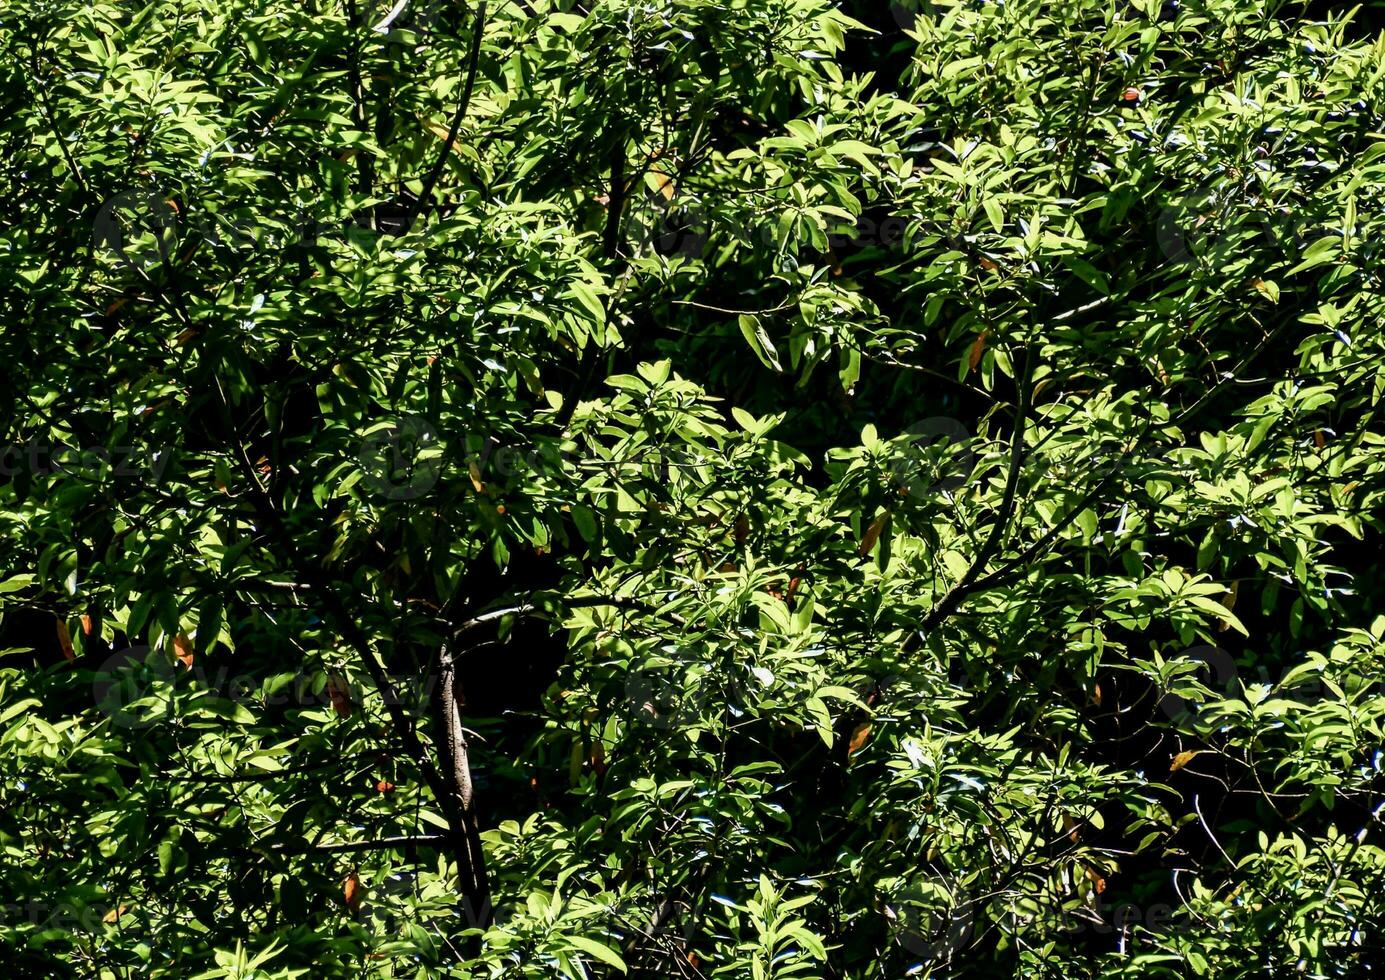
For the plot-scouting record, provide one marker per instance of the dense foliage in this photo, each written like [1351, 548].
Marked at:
[714, 488]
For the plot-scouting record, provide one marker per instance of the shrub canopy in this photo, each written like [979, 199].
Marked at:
[753, 489]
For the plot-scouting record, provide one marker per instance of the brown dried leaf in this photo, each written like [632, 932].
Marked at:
[978, 347]
[182, 649]
[65, 641]
[338, 692]
[859, 738]
[872, 534]
[352, 891]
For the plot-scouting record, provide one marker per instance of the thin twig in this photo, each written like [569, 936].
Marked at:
[425, 197]
[379, 843]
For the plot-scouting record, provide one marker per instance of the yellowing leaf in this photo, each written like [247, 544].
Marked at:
[1229, 601]
[441, 131]
[660, 183]
[1182, 759]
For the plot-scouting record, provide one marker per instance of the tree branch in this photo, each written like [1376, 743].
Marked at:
[376, 844]
[449, 699]
[1006, 512]
[615, 199]
[425, 197]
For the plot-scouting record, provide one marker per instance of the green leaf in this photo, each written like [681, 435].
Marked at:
[759, 341]
[595, 949]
